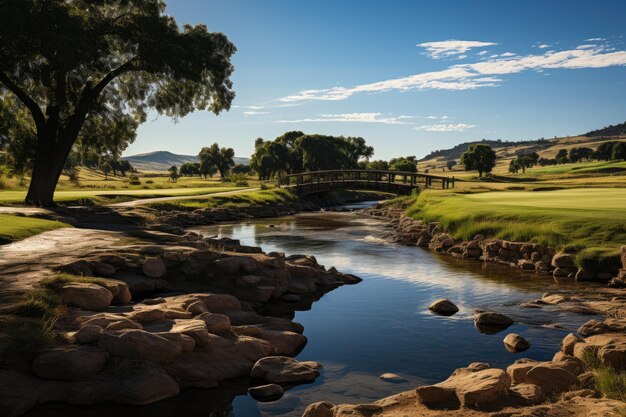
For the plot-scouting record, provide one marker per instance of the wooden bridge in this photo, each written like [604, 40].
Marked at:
[396, 182]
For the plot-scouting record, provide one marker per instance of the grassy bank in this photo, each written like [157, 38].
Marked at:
[14, 228]
[267, 197]
[590, 222]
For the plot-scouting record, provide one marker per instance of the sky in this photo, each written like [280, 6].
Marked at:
[408, 76]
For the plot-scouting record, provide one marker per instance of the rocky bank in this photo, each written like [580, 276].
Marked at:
[140, 322]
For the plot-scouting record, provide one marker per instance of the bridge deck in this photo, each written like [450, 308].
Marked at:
[397, 182]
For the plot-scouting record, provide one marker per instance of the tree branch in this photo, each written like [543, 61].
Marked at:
[90, 94]
[30, 104]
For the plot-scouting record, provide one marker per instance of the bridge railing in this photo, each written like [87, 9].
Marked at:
[374, 177]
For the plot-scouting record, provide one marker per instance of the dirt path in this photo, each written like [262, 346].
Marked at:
[140, 202]
[26, 262]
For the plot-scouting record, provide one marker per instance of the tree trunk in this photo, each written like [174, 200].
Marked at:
[50, 156]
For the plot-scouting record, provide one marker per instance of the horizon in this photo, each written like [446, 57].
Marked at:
[427, 78]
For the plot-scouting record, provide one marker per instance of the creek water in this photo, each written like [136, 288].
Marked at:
[380, 325]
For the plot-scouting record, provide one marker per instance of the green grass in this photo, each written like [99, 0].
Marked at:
[609, 381]
[590, 222]
[14, 228]
[245, 199]
[596, 167]
[60, 280]
[91, 197]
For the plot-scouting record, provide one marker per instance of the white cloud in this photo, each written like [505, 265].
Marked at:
[543, 46]
[595, 40]
[445, 127]
[481, 53]
[255, 113]
[507, 54]
[354, 118]
[442, 49]
[471, 76]
[248, 107]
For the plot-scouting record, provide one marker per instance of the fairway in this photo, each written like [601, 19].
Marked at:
[590, 222]
[592, 201]
[16, 197]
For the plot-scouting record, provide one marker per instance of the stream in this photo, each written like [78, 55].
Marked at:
[380, 325]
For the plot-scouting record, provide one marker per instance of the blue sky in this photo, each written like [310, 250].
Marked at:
[408, 76]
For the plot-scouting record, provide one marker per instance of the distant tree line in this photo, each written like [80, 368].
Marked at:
[296, 151]
[612, 130]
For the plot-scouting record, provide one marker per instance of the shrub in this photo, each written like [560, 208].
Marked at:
[240, 180]
[134, 180]
[149, 182]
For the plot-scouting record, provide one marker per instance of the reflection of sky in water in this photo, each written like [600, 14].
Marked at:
[382, 324]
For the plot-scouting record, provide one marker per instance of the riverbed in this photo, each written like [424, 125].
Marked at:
[382, 324]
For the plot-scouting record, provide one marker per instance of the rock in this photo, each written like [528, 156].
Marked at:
[517, 371]
[530, 394]
[119, 289]
[139, 344]
[515, 343]
[70, 363]
[154, 268]
[266, 393]
[393, 378]
[88, 334]
[491, 322]
[563, 260]
[86, 296]
[320, 409]
[554, 298]
[290, 298]
[194, 328]
[123, 324]
[582, 393]
[102, 269]
[551, 377]
[609, 348]
[215, 323]
[444, 307]
[568, 343]
[145, 386]
[467, 387]
[282, 369]
[594, 327]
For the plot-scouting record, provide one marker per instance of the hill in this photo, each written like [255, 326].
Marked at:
[456, 151]
[507, 150]
[162, 160]
[611, 130]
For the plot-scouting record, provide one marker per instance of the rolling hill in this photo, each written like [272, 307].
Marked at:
[162, 160]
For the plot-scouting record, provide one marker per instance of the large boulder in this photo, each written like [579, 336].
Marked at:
[469, 387]
[563, 260]
[266, 393]
[86, 295]
[139, 344]
[70, 363]
[551, 377]
[196, 329]
[282, 369]
[215, 323]
[515, 343]
[444, 307]
[88, 334]
[609, 348]
[491, 322]
[154, 268]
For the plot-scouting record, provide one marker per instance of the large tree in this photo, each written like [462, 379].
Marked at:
[106, 62]
[479, 157]
[220, 158]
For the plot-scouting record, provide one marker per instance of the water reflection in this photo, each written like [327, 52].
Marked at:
[382, 324]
